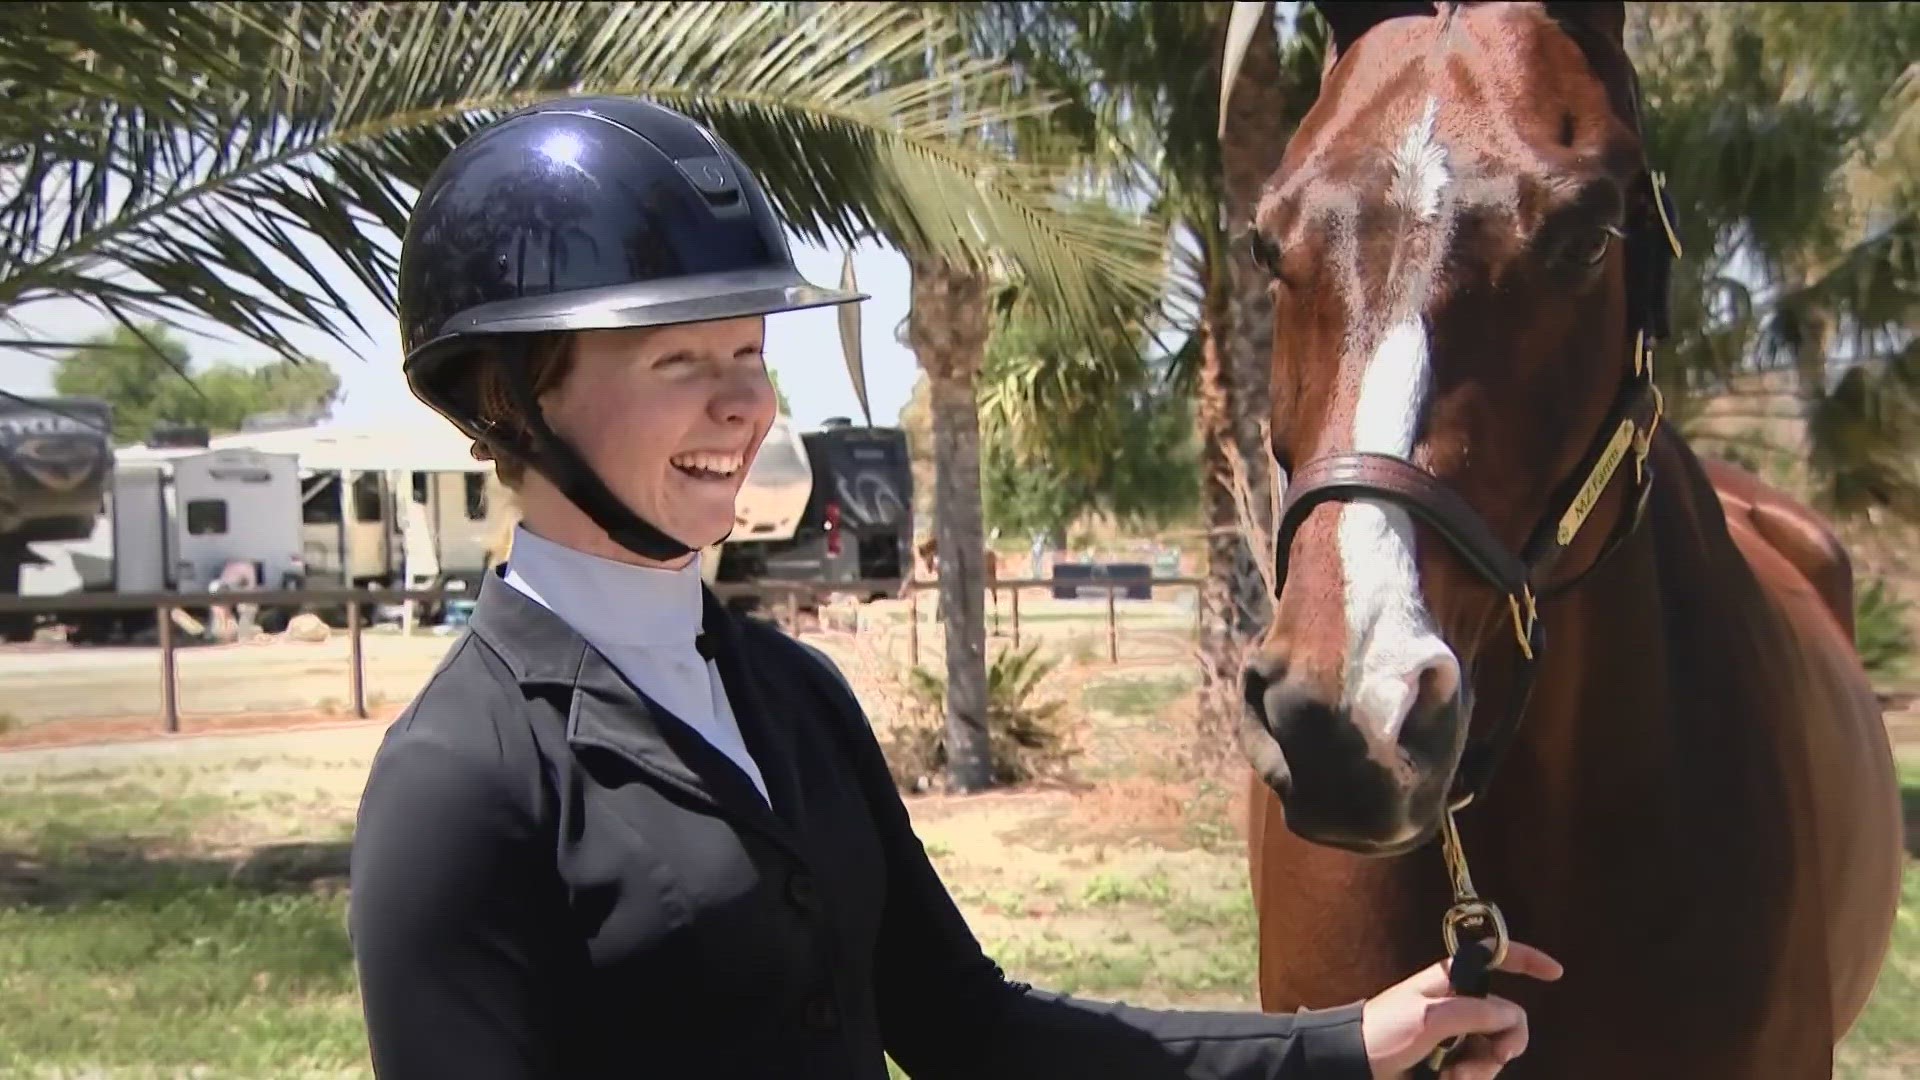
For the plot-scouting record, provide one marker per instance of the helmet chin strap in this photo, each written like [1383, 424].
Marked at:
[553, 458]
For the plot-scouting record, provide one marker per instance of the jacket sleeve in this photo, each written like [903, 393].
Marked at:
[947, 1011]
[456, 966]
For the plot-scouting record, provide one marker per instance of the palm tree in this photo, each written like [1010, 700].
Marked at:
[1149, 125]
[954, 301]
[163, 162]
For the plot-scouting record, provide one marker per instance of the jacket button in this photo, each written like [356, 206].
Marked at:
[800, 892]
[821, 1015]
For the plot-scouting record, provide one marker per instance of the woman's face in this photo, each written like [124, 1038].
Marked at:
[670, 417]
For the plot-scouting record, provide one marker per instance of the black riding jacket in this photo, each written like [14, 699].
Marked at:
[554, 878]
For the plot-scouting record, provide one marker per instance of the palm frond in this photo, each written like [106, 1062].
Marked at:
[191, 194]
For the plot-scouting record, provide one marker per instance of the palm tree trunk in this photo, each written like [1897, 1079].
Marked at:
[947, 328]
[1227, 566]
[1235, 374]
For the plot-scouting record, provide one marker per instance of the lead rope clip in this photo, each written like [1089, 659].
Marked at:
[1470, 962]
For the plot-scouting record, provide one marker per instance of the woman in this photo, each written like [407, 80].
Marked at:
[621, 833]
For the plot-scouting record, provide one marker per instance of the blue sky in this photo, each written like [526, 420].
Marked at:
[803, 347]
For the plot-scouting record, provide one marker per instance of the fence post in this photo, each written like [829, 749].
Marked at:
[357, 684]
[169, 683]
[1015, 596]
[1113, 629]
[913, 625]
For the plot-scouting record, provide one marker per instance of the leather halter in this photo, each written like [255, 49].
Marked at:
[1522, 577]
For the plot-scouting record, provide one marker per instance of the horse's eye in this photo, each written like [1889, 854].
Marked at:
[1596, 247]
[1266, 255]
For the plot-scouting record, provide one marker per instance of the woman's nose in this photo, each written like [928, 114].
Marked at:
[739, 397]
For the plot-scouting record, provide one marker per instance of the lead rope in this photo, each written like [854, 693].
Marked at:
[1472, 960]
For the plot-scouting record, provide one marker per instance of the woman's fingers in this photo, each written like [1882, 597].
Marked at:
[1483, 1056]
[1521, 959]
[1526, 960]
[1476, 1062]
[1448, 1018]
[1511, 1043]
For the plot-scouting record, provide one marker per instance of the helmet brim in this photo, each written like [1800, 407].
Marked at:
[667, 302]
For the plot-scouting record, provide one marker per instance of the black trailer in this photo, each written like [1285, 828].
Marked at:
[857, 529]
[56, 456]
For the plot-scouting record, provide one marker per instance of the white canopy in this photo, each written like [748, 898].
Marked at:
[426, 446]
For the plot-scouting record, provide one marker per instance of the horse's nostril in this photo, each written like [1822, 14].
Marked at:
[1256, 679]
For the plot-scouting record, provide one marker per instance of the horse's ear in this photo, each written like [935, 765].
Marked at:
[1606, 21]
[1348, 19]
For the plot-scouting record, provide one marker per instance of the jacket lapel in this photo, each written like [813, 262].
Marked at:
[608, 713]
[769, 740]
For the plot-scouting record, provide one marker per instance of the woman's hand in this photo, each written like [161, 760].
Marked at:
[1405, 1022]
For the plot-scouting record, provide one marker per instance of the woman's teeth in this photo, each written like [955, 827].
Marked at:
[719, 465]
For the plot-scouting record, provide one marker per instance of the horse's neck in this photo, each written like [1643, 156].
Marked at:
[1604, 747]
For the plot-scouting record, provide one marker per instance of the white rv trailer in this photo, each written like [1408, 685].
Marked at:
[402, 503]
[409, 502]
[177, 519]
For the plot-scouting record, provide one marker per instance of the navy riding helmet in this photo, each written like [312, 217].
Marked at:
[579, 214]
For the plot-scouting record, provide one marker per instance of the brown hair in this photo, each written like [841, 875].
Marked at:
[551, 357]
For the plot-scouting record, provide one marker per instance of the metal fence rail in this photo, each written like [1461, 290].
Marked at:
[163, 605]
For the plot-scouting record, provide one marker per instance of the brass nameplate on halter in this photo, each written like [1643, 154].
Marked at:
[1603, 471]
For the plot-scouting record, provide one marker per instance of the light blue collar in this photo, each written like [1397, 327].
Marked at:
[609, 603]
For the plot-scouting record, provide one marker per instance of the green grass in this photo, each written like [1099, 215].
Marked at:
[212, 980]
[132, 948]
[1888, 1033]
[1128, 696]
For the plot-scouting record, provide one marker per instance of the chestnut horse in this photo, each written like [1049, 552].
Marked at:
[1508, 592]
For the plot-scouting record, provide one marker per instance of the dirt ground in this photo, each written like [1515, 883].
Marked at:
[54, 693]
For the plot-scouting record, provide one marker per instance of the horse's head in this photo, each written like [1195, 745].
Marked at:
[1465, 242]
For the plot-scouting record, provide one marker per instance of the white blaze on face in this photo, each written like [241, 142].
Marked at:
[1420, 167]
[1391, 640]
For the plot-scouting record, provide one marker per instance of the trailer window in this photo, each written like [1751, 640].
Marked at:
[366, 497]
[476, 496]
[206, 517]
[321, 503]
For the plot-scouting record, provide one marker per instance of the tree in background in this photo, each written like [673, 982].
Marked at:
[779, 395]
[1791, 137]
[1072, 428]
[1052, 453]
[148, 387]
[1142, 82]
[1117, 279]
[916, 421]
